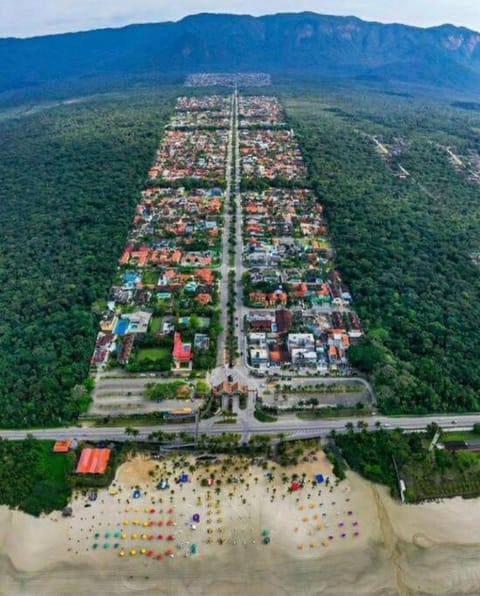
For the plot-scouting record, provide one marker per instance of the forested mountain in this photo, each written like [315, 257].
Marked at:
[296, 43]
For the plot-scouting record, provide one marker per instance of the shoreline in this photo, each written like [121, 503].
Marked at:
[431, 548]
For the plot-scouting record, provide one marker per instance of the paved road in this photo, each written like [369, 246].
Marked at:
[224, 268]
[295, 428]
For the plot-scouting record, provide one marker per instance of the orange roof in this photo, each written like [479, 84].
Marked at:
[62, 446]
[93, 461]
[176, 256]
[204, 298]
[206, 275]
[125, 257]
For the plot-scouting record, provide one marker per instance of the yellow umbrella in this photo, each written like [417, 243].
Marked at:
[300, 547]
[143, 551]
[326, 542]
[133, 552]
[312, 505]
[315, 516]
[313, 544]
[124, 535]
[319, 526]
[144, 536]
[127, 509]
[302, 507]
[134, 536]
[146, 524]
[137, 509]
[113, 491]
[306, 519]
[121, 553]
[135, 522]
[146, 509]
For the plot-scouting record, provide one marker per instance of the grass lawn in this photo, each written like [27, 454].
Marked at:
[155, 324]
[58, 465]
[153, 354]
[264, 417]
[149, 277]
[460, 435]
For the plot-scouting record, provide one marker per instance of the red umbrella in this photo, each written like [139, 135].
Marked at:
[170, 537]
[159, 556]
[160, 536]
[160, 523]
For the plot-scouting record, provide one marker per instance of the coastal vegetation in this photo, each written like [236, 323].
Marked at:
[428, 472]
[33, 478]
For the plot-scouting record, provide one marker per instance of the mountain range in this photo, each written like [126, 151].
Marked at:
[287, 43]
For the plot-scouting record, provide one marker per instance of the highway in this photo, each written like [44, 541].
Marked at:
[294, 428]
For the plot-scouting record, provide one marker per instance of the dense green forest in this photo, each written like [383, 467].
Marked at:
[427, 474]
[404, 246]
[71, 177]
[33, 478]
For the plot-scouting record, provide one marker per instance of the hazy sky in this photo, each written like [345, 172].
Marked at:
[24, 18]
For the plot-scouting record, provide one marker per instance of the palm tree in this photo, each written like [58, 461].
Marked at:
[132, 432]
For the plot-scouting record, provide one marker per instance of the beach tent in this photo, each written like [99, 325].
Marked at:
[194, 549]
[196, 517]
[163, 485]
[136, 494]
[295, 486]
[266, 540]
[184, 478]
[319, 478]
[265, 532]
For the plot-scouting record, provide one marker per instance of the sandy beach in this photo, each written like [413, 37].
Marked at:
[321, 539]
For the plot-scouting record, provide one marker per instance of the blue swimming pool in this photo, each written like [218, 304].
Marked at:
[122, 326]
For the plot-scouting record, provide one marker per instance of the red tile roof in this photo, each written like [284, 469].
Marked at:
[93, 461]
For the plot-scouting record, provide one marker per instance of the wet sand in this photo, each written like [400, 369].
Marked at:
[432, 548]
